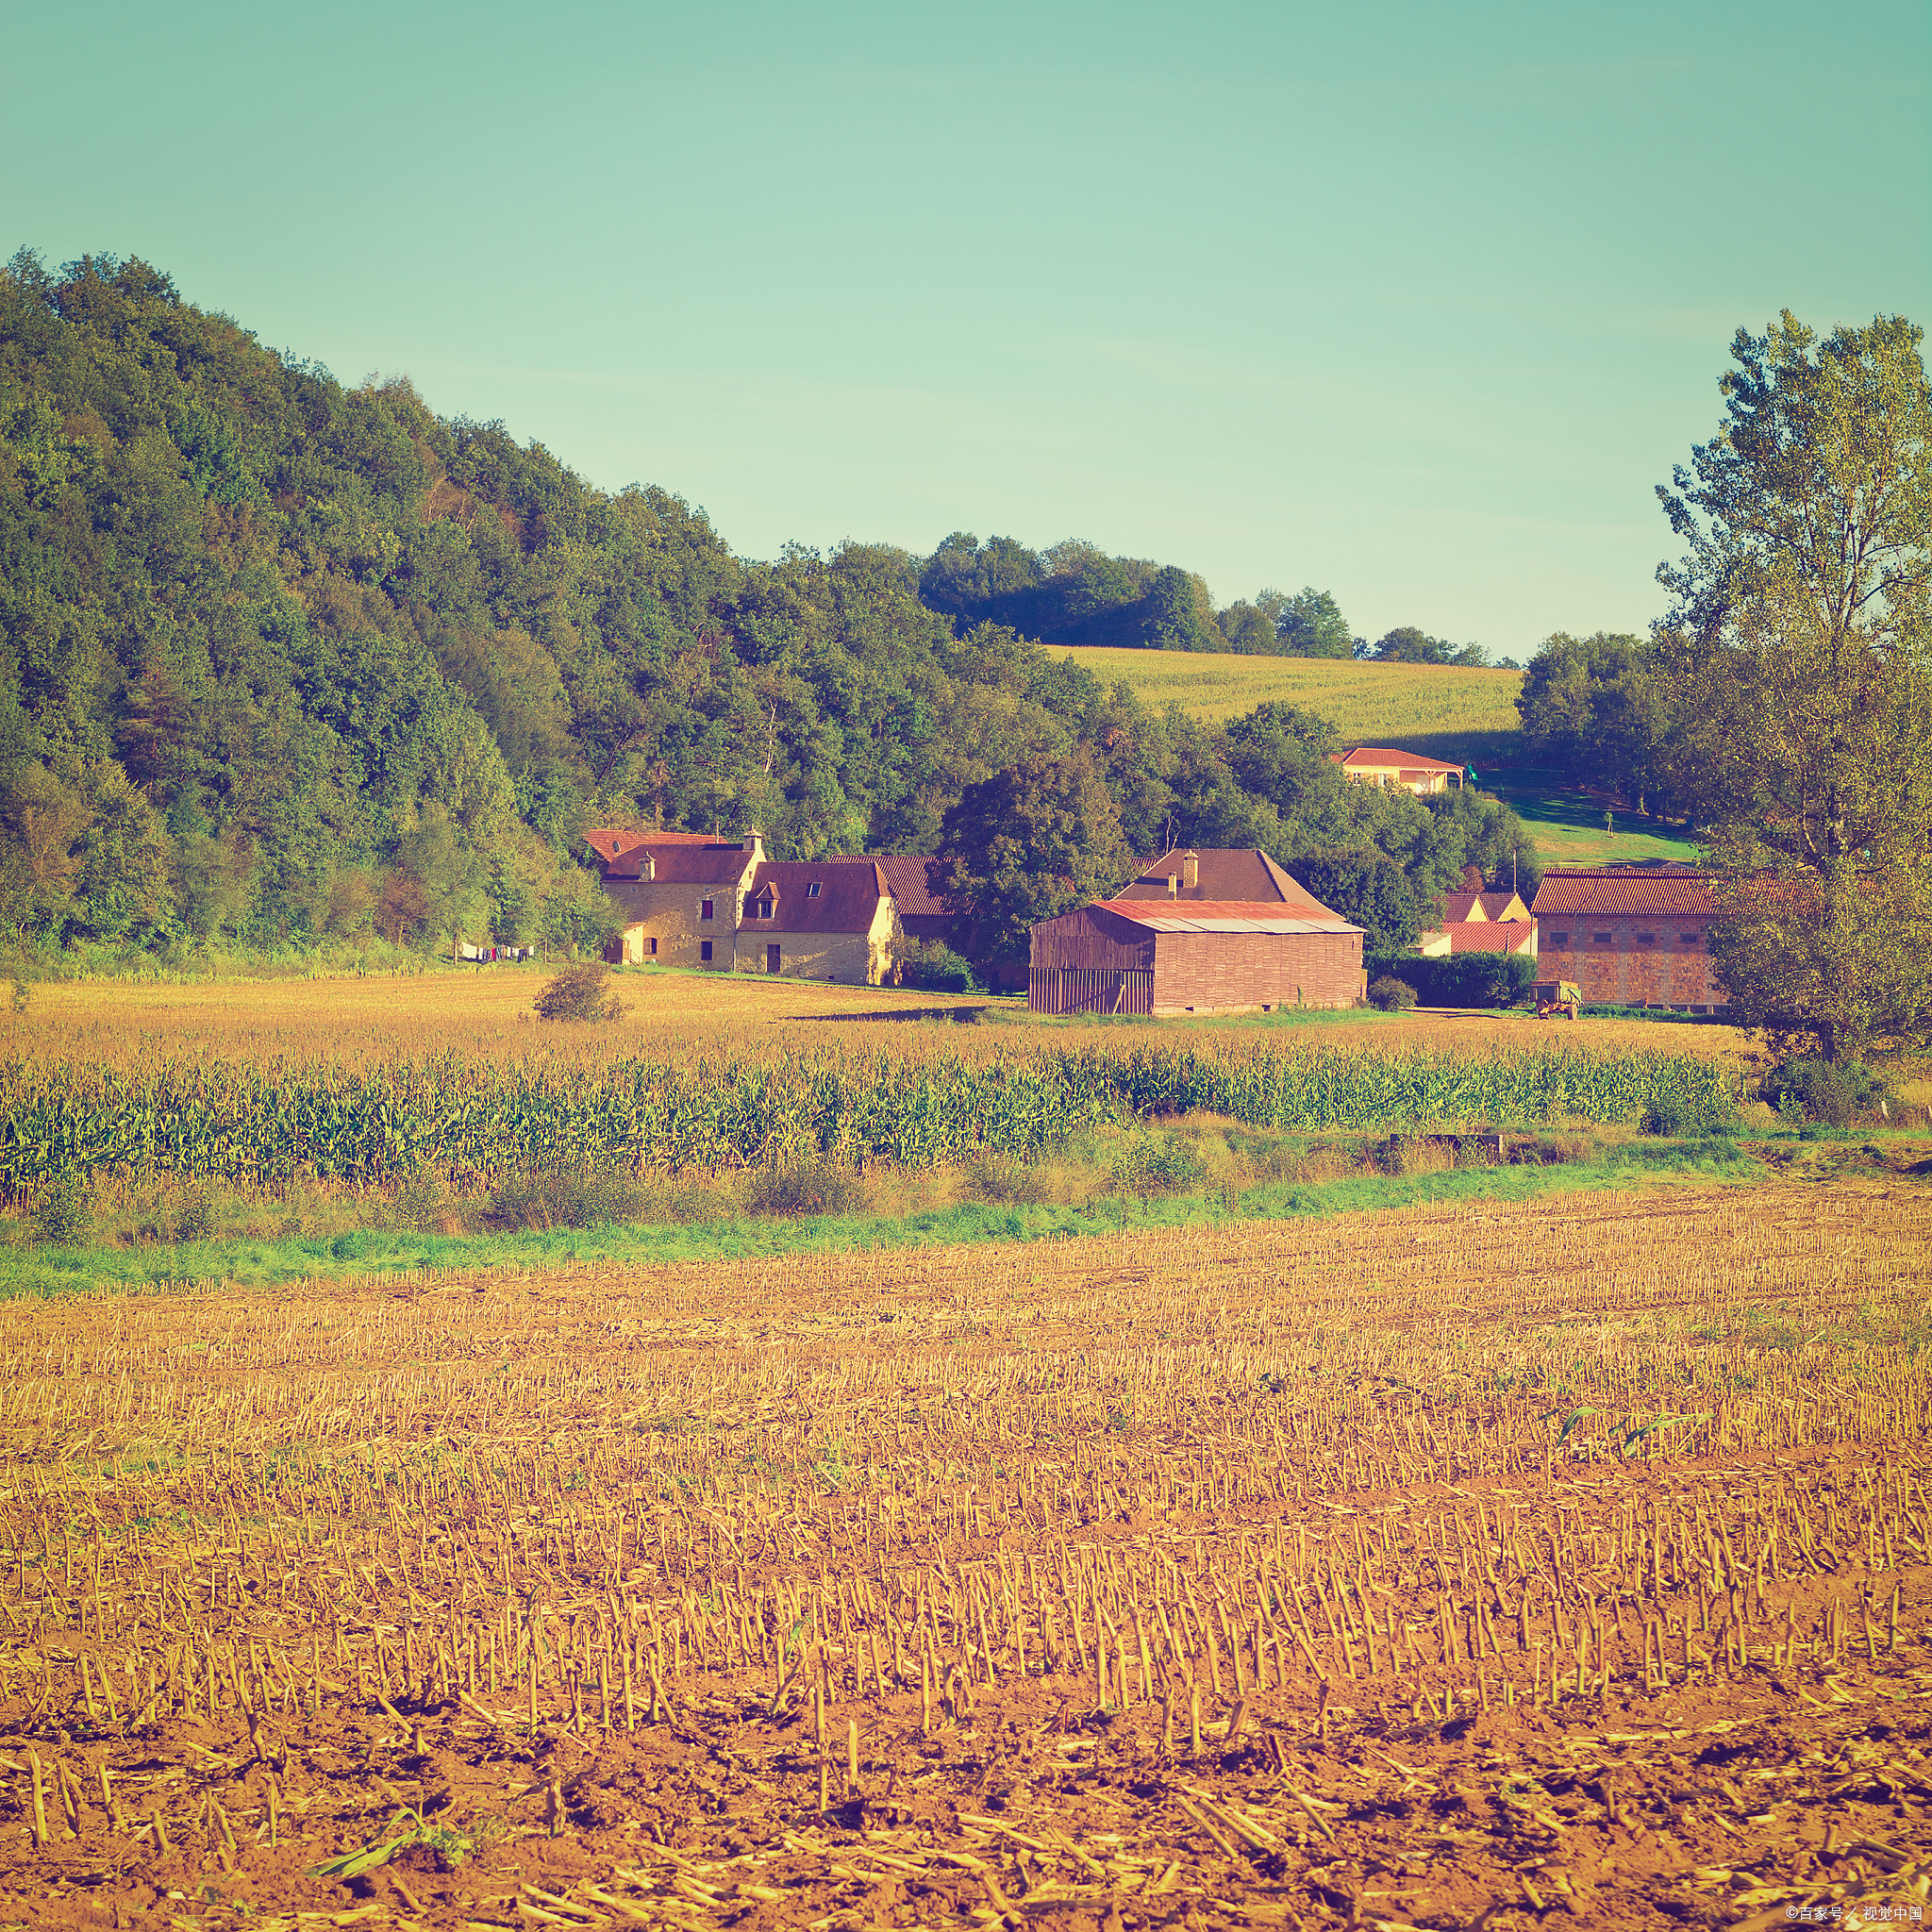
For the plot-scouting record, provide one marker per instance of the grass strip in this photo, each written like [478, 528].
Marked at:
[47, 1272]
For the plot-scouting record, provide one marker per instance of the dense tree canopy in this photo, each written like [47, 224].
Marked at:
[282, 662]
[1796, 678]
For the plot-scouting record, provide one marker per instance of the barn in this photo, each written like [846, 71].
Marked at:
[1160, 957]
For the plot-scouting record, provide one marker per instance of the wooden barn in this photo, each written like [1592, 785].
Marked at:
[1156, 955]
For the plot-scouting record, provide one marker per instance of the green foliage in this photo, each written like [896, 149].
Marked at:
[933, 966]
[1159, 1164]
[815, 1184]
[566, 1197]
[1834, 1094]
[1392, 996]
[1368, 889]
[1409, 645]
[65, 1212]
[1031, 842]
[581, 993]
[1463, 979]
[1797, 669]
[1594, 708]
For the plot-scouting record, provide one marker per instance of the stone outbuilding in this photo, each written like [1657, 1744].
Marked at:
[677, 892]
[1630, 935]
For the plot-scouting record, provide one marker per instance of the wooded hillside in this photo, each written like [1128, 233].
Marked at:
[283, 662]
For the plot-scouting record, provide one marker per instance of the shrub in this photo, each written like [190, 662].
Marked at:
[1390, 995]
[1159, 1165]
[555, 1197]
[194, 1217]
[995, 1175]
[932, 966]
[65, 1213]
[1463, 979]
[580, 992]
[1835, 1094]
[815, 1185]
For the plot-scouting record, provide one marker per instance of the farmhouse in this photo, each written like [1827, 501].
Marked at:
[1630, 935]
[819, 919]
[1204, 956]
[1399, 771]
[678, 892]
[1473, 921]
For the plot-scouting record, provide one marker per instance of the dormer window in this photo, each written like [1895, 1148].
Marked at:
[811, 891]
[763, 909]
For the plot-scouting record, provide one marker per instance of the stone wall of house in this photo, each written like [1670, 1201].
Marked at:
[1658, 959]
[673, 916]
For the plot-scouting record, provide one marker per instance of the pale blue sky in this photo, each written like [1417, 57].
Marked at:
[1412, 302]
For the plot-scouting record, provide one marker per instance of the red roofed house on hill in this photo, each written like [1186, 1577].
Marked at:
[819, 919]
[1160, 946]
[1630, 935]
[1400, 771]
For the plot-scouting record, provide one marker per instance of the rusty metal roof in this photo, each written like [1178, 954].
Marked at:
[1218, 915]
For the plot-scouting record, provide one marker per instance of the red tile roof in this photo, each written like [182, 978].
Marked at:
[905, 874]
[847, 899]
[1489, 935]
[1382, 759]
[1247, 875]
[1659, 888]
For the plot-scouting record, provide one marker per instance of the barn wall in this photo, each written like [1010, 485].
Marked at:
[1213, 972]
[1088, 990]
[1091, 940]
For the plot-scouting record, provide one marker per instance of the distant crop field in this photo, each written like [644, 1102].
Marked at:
[1425, 707]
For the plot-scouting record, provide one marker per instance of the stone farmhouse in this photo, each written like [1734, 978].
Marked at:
[720, 906]
[1399, 771]
[1163, 947]
[1630, 935]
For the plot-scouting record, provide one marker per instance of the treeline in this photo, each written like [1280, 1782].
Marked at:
[286, 663]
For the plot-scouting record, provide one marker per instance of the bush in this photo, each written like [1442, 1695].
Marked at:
[816, 1184]
[580, 992]
[932, 966]
[1835, 1094]
[1463, 979]
[553, 1197]
[1390, 995]
[1159, 1165]
[194, 1217]
[65, 1214]
[1673, 1117]
[995, 1175]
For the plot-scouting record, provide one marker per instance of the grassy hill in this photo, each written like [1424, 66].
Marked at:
[1441, 712]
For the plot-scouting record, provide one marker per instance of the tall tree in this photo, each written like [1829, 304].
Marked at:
[1310, 624]
[1797, 659]
[1031, 842]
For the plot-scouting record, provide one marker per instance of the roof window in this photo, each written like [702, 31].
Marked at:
[811, 891]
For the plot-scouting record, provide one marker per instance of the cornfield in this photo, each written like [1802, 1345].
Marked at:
[1426, 1568]
[470, 1120]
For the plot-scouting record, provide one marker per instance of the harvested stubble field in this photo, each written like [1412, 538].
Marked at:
[1425, 1569]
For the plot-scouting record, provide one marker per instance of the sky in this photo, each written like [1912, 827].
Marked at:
[1414, 303]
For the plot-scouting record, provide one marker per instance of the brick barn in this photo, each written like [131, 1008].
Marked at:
[1160, 957]
[1630, 935]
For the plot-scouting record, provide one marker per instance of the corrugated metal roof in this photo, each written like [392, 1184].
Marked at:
[1217, 915]
[1489, 935]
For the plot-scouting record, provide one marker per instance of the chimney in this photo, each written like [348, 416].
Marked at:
[650, 872]
[1174, 887]
[754, 843]
[1191, 870]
